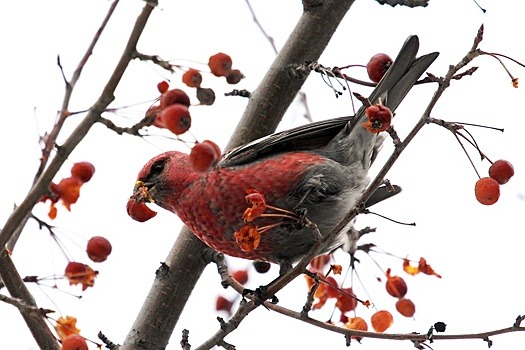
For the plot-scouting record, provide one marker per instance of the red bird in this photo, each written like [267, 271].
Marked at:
[317, 171]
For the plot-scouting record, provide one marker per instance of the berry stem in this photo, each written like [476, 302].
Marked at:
[466, 153]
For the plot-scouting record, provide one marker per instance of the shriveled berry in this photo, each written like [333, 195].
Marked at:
[220, 64]
[98, 248]
[176, 118]
[69, 189]
[379, 118]
[501, 171]
[405, 307]
[261, 266]
[206, 96]
[192, 78]
[487, 191]
[234, 76]
[377, 66]
[381, 321]
[203, 156]
[163, 86]
[83, 171]
[139, 211]
[440, 326]
[174, 96]
[74, 342]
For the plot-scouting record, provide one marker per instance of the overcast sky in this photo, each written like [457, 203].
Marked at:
[477, 249]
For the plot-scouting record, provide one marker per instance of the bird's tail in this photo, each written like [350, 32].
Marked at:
[391, 90]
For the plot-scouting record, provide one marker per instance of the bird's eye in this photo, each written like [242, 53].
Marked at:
[157, 167]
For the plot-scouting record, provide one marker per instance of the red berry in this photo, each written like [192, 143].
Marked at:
[234, 76]
[139, 211]
[240, 276]
[98, 248]
[83, 171]
[69, 190]
[192, 78]
[487, 191]
[223, 304]
[346, 300]
[215, 147]
[74, 268]
[203, 156]
[377, 66]
[176, 118]
[261, 266]
[220, 64]
[163, 86]
[356, 323]
[152, 112]
[501, 171]
[395, 285]
[381, 321]
[74, 342]
[379, 118]
[174, 96]
[405, 307]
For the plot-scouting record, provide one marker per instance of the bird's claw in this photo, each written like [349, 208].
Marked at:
[260, 296]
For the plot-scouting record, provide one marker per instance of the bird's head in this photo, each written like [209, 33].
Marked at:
[162, 180]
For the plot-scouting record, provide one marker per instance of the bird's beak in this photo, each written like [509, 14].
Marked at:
[144, 192]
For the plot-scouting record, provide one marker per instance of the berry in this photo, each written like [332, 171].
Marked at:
[152, 113]
[223, 304]
[98, 248]
[261, 266]
[377, 66]
[139, 211]
[174, 96]
[83, 171]
[163, 86]
[381, 321]
[487, 191]
[192, 78]
[356, 323]
[176, 118]
[206, 96]
[346, 300]
[73, 268]
[220, 64]
[203, 156]
[69, 189]
[234, 76]
[405, 307]
[501, 171]
[240, 276]
[74, 342]
[379, 118]
[395, 285]
[440, 327]
[78, 273]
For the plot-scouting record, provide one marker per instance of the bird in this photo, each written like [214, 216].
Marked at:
[315, 171]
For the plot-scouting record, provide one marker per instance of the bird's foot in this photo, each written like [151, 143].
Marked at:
[260, 295]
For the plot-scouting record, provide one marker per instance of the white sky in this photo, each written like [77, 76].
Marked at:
[477, 249]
